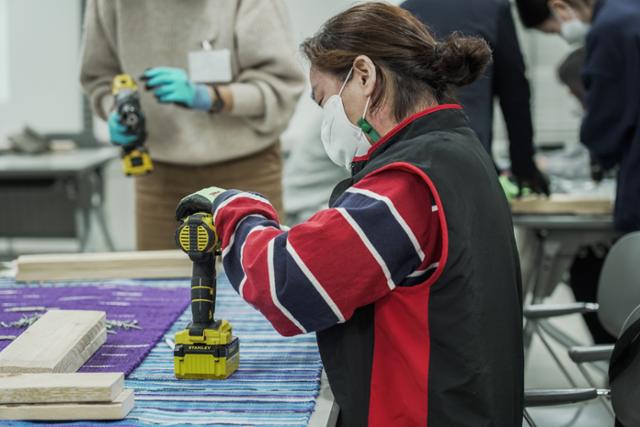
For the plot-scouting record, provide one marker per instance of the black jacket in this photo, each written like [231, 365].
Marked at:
[611, 128]
[464, 322]
[505, 78]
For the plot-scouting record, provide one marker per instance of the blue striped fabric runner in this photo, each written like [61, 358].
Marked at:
[277, 383]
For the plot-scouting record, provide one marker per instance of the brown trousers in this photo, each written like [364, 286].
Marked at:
[158, 193]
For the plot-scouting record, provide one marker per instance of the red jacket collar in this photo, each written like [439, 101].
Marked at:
[402, 125]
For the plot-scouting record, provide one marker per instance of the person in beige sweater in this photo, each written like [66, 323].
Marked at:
[198, 135]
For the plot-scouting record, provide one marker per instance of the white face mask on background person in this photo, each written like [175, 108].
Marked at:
[342, 140]
[574, 31]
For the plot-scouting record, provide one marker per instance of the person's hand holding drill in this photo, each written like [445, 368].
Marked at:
[119, 133]
[200, 201]
[172, 86]
[127, 124]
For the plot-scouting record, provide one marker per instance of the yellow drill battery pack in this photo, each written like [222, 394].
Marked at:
[213, 355]
[137, 162]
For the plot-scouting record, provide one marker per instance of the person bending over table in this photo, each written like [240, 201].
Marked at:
[610, 31]
[411, 278]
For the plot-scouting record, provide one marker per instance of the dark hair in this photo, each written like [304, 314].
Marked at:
[533, 12]
[405, 53]
[569, 72]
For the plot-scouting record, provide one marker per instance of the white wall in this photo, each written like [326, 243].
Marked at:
[4, 51]
[43, 38]
[308, 15]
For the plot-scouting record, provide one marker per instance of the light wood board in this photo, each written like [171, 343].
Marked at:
[563, 204]
[116, 410]
[102, 266]
[60, 341]
[61, 388]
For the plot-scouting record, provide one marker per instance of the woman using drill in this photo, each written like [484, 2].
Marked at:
[410, 278]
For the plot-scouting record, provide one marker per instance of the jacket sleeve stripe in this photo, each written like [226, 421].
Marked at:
[330, 248]
[229, 197]
[296, 293]
[257, 289]
[421, 276]
[232, 254]
[384, 233]
[230, 244]
[396, 216]
[272, 288]
[315, 283]
[243, 282]
[365, 240]
[419, 273]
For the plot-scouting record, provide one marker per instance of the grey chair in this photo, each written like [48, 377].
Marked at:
[625, 384]
[619, 285]
[618, 295]
[549, 399]
[618, 298]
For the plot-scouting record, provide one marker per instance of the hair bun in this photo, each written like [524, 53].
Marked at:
[460, 60]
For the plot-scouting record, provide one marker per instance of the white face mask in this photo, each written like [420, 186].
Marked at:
[574, 31]
[342, 140]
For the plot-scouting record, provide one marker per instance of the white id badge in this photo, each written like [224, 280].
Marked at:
[210, 66]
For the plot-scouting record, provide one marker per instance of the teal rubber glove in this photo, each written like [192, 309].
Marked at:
[172, 86]
[118, 132]
[201, 201]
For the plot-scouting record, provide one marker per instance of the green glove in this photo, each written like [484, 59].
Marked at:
[535, 181]
[201, 201]
[513, 190]
[172, 86]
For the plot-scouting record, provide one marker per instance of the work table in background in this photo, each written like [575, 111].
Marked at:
[68, 185]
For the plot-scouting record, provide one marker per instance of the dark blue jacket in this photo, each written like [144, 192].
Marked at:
[505, 78]
[611, 128]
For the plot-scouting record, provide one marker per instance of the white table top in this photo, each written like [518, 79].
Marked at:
[55, 163]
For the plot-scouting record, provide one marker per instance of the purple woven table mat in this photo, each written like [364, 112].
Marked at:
[140, 316]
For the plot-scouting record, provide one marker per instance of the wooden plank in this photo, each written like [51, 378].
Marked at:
[61, 388]
[116, 410]
[103, 266]
[85, 354]
[563, 204]
[60, 341]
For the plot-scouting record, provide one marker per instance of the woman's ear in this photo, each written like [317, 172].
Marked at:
[567, 10]
[364, 74]
[561, 10]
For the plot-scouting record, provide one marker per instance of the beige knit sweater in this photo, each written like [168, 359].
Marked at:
[132, 35]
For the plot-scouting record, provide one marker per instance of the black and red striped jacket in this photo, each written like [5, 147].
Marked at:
[410, 279]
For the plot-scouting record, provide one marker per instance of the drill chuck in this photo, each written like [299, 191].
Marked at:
[130, 112]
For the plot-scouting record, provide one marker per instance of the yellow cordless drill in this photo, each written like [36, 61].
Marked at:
[207, 349]
[135, 157]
